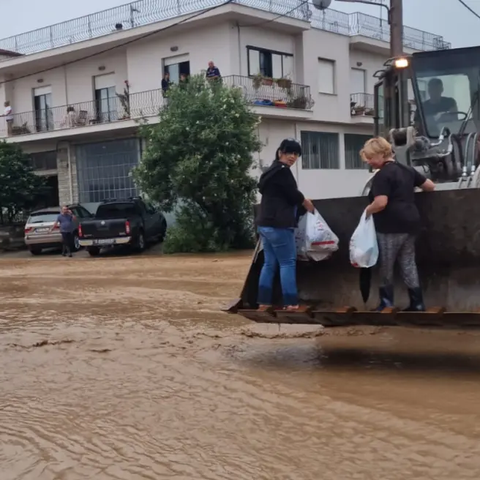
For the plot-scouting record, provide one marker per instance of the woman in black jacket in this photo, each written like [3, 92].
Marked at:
[276, 224]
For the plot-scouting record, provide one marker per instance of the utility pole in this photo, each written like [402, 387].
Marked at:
[396, 28]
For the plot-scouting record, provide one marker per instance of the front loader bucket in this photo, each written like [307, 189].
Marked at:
[448, 257]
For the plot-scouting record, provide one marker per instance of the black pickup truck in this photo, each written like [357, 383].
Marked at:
[130, 222]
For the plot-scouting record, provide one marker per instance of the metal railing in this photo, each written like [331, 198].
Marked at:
[280, 93]
[362, 104]
[374, 27]
[146, 12]
[114, 109]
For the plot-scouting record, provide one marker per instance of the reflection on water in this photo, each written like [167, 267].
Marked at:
[131, 373]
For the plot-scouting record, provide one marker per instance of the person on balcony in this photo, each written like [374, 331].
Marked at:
[213, 73]
[165, 84]
[70, 119]
[8, 114]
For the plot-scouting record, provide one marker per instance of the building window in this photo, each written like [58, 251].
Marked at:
[320, 150]
[353, 144]
[269, 63]
[176, 67]
[326, 76]
[106, 100]
[44, 160]
[357, 81]
[104, 169]
[42, 99]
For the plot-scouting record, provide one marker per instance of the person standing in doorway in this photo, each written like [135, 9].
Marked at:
[65, 221]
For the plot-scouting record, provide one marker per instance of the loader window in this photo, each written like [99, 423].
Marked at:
[446, 84]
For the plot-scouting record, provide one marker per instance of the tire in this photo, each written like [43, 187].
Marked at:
[93, 251]
[35, 251]
[140, 243]
[76, 242]
[162, 236]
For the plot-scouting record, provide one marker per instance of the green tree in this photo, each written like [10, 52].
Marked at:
[198, 162]
[19, 186]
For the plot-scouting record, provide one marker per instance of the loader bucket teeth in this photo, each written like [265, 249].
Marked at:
[448, 258]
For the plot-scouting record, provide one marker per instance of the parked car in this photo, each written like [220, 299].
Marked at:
[38, 234]
[130, 222]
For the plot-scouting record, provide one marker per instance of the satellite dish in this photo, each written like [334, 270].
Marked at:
[321, 4]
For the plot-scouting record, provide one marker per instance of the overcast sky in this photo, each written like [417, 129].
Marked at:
[444, 17]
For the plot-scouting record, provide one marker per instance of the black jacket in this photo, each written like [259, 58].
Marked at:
[281, 198]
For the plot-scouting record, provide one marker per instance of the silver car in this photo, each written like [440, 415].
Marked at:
[38, 234]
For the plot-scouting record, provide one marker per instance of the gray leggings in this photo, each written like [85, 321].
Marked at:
[401, 247]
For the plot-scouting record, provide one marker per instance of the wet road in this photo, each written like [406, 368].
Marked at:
[123, 368]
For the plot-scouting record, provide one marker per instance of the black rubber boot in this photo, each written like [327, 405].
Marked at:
[416, 300]
[386, 297]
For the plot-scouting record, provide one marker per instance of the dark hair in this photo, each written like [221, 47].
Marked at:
[435, 82]
[289, 145]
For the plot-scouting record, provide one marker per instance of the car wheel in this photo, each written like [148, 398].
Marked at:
[93, 251]
[76, 242]
[35, 251]
[162, 236]
[140, 247]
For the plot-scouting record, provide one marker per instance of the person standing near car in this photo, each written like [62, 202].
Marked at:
[276, 222]
[65, 221]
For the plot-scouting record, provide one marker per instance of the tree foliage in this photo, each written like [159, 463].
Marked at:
[19, 186]
[198, 161]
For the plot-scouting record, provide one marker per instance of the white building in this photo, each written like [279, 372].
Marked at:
[62, 81]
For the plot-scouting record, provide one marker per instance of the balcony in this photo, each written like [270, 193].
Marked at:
[274, 97]
[146, 12]
[362, 108]
[280, 98]
[85, 114]
[360, 24]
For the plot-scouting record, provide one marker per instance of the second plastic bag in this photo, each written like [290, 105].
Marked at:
[314, 238]
[363, 244]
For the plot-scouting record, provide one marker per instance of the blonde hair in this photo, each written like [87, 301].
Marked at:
[376, 146]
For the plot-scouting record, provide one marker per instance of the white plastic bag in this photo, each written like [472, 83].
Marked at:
[314, 238]
[363, 244]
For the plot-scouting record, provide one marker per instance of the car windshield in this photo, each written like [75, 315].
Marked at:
[43, 217]
[448, 83]
[116, 210]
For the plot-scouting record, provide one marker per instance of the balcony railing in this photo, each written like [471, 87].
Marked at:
[279, 94]
[115, 109]
[266, 92]
[146, 12]
[373, 27]
[362, 104]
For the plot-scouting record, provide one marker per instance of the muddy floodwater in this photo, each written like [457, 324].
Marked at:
[122, 367]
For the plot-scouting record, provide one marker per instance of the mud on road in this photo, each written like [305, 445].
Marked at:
[124, 368]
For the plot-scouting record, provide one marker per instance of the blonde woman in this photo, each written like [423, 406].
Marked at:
[397, 220]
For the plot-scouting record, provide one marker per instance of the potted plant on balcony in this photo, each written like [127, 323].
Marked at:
[257, 81]
[125, 101]
[285, 83]
[301, 102]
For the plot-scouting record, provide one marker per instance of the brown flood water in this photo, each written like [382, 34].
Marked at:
[123, 368]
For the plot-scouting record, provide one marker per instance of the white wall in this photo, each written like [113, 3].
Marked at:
[319, 44]
[370, 62]
[145, 59]
[315, 183]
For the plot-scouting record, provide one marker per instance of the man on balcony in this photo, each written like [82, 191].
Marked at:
[8, 114]
[213, 73]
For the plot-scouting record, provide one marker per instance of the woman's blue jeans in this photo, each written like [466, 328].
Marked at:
[279, 249]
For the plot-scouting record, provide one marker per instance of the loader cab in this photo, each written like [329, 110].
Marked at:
[430, 91]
